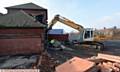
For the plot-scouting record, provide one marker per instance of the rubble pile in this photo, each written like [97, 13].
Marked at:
[47, 63]
[110, 63]
[43, 62]
[106, 62]
[99, 63]
[109, 66]
[57, 60]
[17, 61]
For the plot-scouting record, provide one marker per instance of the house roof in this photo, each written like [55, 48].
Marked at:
[19, 19]
[26, 6]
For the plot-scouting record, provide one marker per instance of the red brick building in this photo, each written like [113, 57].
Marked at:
[22, 29]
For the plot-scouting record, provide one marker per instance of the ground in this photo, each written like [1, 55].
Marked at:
[58, 57]
[111, 47]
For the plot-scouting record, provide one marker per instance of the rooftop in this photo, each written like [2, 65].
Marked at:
[19, 19]
[26, 6]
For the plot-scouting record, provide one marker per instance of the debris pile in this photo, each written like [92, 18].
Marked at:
[107, 63]
[17, 61]
[109, 67]
[43, 62]
[110, 63]
[46, 63]
[100, 63]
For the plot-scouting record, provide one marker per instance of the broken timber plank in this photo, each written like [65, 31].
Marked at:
[109, 57]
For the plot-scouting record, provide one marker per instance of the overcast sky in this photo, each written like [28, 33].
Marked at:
[89, 13]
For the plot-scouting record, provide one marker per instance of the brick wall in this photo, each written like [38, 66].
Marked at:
[20, 46]
[21, 41]
[21, 31]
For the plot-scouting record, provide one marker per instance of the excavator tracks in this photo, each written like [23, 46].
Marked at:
[98, 45]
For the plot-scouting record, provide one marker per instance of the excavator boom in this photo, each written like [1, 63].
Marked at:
[66, 22]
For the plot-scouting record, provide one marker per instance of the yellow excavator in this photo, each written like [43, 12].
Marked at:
[86, 35]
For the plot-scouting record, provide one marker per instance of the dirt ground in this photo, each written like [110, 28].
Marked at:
[59, 56]
[111, 47]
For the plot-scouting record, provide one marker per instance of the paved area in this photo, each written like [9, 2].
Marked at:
[112, 47]
[115, 43]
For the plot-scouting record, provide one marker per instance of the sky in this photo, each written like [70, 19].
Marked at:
[88, 13]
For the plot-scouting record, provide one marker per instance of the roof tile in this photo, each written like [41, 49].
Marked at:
[19, 19]
[27, 6]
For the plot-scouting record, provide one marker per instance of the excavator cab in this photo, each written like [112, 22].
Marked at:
[88, 34]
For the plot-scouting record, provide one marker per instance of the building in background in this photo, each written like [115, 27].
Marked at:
[56, 31]
[109, 33]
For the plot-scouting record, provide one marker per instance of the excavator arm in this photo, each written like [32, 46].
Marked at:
[64, 21]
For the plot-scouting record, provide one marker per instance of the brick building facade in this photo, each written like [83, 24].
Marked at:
[22, 29]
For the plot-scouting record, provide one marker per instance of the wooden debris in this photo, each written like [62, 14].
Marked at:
[109, 67]
[110, 63]
[109, 57]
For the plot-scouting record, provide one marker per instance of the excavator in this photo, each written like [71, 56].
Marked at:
[86, 35]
